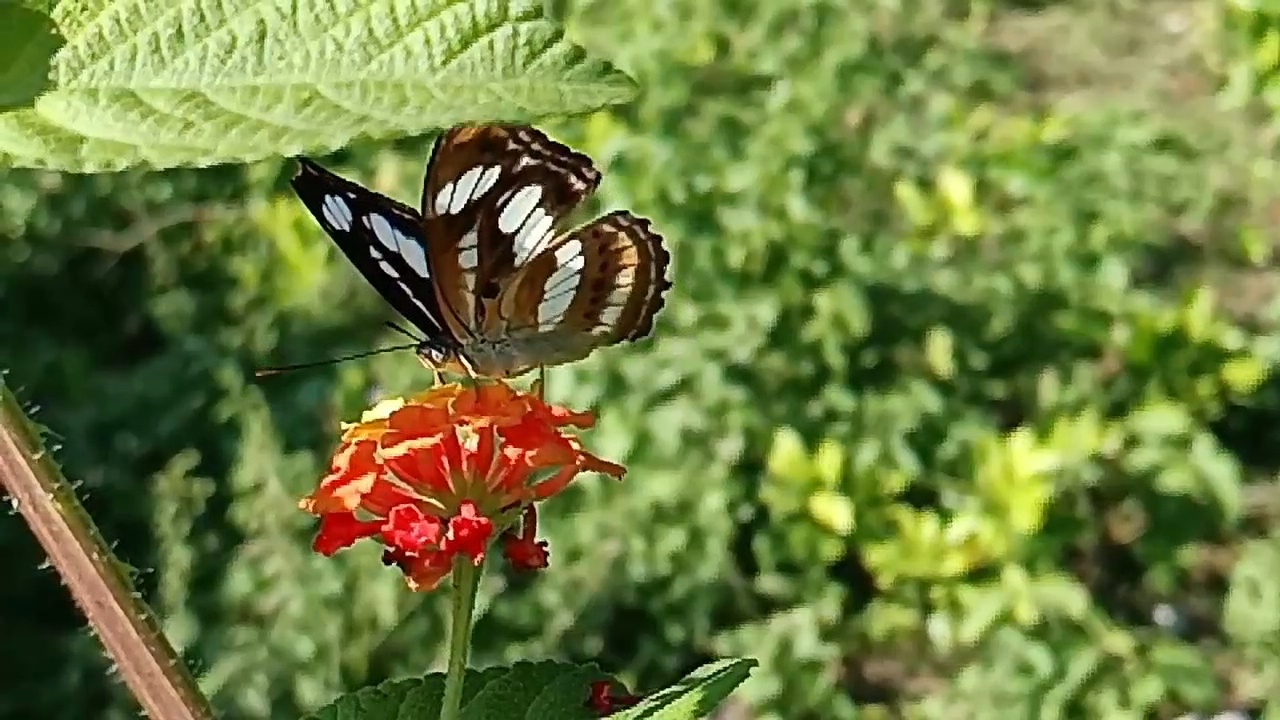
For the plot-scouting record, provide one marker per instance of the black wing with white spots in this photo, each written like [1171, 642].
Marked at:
[382, 238]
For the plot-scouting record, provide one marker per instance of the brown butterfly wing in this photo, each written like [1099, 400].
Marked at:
[492, 197]
[598, 285]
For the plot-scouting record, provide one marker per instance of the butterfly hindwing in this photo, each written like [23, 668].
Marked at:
[381, 237]
[491, 201]
[598, 285]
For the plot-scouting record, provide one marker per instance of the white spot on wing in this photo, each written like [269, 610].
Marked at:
[487, 181]
[610, 316]
[551, 310]
[419, 303]
[414, 254]
[560, 280]
[470, 247]
[386, 268]
[406, 247]
[561, 285]
[568, 251]
[470, 239]
[567, 275]
[466, 186]
[532, 236]
[443, 197]
[518, 208]
[383, 230]
[336, 212]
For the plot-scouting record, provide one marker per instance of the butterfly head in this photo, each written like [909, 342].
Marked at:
[436, 355]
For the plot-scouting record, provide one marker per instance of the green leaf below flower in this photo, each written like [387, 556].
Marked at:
[546, 690]
[526, 691]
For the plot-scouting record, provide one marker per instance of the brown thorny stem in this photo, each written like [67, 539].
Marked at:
[37, 489]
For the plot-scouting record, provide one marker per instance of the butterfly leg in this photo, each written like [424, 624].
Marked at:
[471, 372]
[436, 375]
[540, 385]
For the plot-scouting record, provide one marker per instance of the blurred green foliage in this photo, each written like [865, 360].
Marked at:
[961, 407]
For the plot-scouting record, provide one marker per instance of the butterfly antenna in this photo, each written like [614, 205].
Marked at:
[400, 329]
[266, 372]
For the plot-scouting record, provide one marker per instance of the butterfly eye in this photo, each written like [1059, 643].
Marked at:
[431, 354]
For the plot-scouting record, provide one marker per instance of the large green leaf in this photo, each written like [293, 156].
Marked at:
[198, 82]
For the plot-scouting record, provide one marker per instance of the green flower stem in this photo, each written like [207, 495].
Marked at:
[466, 581]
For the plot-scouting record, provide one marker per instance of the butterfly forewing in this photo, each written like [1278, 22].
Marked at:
[598, 285]
[492, 200]
[381, 237]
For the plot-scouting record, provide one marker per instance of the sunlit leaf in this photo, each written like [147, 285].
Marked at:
[208, 82]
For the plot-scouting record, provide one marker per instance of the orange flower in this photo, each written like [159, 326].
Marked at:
[441, 474]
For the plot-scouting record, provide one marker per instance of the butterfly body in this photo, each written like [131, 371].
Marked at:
[483, 269]
[496, 358]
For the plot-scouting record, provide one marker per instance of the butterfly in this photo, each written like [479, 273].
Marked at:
[484, 269]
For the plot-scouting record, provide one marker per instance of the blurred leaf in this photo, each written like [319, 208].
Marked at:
[1159, 419]
[1186, 672]
[1243, 375]
[829, 463]
[788, 458]
[1082, 665]
[1220, 474]
[939, 352]
[833, 511]
[1060, 596]
[1251, 612]
[983, 606]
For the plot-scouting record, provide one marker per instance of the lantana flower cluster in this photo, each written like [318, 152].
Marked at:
[442, 474]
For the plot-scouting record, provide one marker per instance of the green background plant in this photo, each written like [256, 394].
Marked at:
[961, 406]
